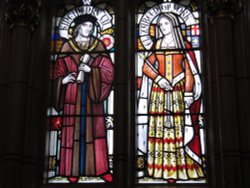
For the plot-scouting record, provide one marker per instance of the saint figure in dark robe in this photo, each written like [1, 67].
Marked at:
[82, 80]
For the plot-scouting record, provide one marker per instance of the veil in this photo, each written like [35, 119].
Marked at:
[177, 34]
[144, 95]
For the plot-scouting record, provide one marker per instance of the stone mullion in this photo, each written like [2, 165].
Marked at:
[132, 94]
[4, 90]
[37, 91]
[241, 41]
[121, 94]
[41, 46]
[14, 130]
[216, 123]
[209, 99]
[18, 162]
[228, 114]
[226, 137]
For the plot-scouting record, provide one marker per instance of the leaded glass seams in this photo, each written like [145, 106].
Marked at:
[169, 116]
[80, 115]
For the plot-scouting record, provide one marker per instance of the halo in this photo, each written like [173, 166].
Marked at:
[155, 11]
[104, 19]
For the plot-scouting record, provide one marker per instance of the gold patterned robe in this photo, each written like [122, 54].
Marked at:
[167, 158]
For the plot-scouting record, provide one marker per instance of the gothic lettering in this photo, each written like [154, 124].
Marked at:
[178, 8]
[165, 7]
[87, 9]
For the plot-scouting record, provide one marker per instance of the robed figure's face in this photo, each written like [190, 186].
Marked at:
[86, 29]
[165, 26]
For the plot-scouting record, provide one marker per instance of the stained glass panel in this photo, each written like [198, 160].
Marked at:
[171, 133]
[80, 115]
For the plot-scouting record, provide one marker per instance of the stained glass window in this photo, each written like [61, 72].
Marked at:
[170, 126]
[80, 115]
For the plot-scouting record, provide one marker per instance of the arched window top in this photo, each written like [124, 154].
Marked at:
[187, 16]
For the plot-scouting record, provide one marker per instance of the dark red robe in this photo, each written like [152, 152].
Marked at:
[83, 149]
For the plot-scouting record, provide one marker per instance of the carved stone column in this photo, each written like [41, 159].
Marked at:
[121, 84]
[17, 163]
[224, 96]
[242, 70]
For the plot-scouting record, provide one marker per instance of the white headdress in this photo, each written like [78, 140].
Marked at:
[167, 8]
